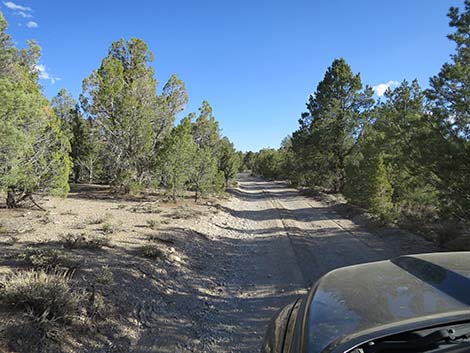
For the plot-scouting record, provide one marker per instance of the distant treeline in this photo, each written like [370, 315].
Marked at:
[405, 157]
[121, 132]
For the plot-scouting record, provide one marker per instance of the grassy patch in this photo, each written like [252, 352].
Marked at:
[84, 241]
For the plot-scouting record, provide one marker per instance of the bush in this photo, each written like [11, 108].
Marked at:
[151, 251]
[186, 212]
[98, 220]
[448, 231]
[84, 241]
[153, 223]
[46, 296]
[108, 228]
[46, 258]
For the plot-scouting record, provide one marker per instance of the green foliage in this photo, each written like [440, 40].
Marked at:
[249, 160]
[332, 126]
[205, 176]
[151, 251]
[84, 241]
[121, 98]
[171, 102]
[406, 158]
[33, 149]
[448, 151]
[176, 158]
[84, 143]
[269, 163]
[46, 258]
[229, 160]
[206, 130]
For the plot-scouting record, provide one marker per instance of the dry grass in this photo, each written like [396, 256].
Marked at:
[45, 295]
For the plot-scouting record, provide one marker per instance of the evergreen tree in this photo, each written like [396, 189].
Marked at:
[205, 176]
[171, 102]
[333, 124]
[33, 149]
[228, 159]
[206, 129]
[121, 98]
[448, 152]
[176, 159]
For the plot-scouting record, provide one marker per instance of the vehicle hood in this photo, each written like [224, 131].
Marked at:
[382, 298]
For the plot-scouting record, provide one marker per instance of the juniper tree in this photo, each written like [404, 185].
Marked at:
[121, 98]
[176, 158]
[33, 149]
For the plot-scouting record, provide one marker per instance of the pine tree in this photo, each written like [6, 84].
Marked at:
[448, 153]
[333, 125]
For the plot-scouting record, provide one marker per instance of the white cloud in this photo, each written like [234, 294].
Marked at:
[12, 6]
[382, 87]
[44, 75]
[32, 24]
[24, 14]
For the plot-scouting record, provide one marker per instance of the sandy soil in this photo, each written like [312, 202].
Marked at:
[225, 272]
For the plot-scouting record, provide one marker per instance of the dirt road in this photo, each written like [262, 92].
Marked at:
[268, 245]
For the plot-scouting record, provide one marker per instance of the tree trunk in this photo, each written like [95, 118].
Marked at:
[196, 194]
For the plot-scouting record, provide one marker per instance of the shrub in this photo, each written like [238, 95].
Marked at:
[46, 296]
[84, 241]
[161, 237]
[105, 276]
[186, 213]
[151, 251]
[98, 220]
[108, 228]
[448, 231]
[145, 208]
[46, 258]
[153, 223]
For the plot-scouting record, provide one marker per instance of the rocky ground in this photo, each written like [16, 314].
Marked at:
[224, 270]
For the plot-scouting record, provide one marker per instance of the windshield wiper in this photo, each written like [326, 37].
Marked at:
[449, 334]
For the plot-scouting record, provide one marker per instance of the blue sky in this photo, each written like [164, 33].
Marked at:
[255, 61]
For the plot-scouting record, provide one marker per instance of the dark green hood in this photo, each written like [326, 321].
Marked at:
[353, 304]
